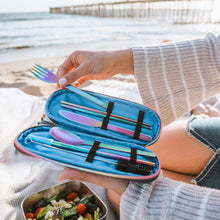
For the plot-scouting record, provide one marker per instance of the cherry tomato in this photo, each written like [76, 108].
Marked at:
[81, 208]
[88, 215]
[29, 215]
[37, 211]
[71, 196]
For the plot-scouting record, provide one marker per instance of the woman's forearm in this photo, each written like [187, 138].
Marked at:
[122, 61]
[168, 199]
[174, 78]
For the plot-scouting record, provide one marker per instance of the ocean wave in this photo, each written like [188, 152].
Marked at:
[7, 48]
[21, 47]
[51, 30]
[20, 19]
[14, 37]
[48, 44]
[13, 17]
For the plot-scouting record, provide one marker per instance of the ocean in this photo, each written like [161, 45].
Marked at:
[41, 34]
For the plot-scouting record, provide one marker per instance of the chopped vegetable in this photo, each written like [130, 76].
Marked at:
[70, 201]
[96, 214]
[62, 195]
[37, 211]
[29, 215]
[69, 211]
[88, 215]
[81, 208]
[52, 198]
[66, 205]
[91, 207]
[71, 196]
[44, 211]
[41, 203]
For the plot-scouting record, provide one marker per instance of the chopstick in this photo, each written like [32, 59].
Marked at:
[51, 142]
[97, 112]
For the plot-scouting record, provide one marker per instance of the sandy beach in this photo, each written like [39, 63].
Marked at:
[23, 47]
[15, 65]
[17, 75]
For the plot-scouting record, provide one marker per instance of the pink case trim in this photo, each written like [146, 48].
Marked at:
[85, 169]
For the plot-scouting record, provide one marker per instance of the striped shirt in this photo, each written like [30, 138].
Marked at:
[174, 78]
[166, 199]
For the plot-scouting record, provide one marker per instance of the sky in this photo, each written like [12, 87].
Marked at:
[37, 5]
[44, 5]
[24, 5]
[34, 5]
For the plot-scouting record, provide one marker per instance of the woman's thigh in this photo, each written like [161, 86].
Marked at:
[179, 152]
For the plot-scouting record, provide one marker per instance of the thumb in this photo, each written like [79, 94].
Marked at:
[117, 185]
[72, 76]
[72, 174]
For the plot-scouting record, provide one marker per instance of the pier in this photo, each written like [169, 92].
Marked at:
[176, 11]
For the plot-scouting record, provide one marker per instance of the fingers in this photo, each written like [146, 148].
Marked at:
[72, 76]
[82, 80]
[67, 70]
[114, 198]
[68, 65]
[200, 109]
[117, 185]
[212, 111]
[77, 76]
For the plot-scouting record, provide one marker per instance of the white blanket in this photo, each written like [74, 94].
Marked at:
[22, 175]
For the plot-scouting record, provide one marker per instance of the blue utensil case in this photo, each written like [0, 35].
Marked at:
[113, 140]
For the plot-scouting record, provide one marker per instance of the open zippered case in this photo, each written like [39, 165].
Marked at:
[106, 144]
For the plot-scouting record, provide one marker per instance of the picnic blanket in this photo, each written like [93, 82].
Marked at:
[22, 175]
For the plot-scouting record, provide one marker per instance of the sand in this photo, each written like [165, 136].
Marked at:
[17, 75]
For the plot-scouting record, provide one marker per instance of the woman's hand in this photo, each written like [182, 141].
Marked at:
[82, 66]
[115, 186]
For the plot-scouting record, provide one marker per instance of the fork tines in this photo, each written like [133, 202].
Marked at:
[44, 74]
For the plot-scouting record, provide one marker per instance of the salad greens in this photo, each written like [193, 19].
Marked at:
[65, 205]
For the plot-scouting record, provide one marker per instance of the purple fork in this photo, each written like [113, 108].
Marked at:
[44, 74]
[47, 76]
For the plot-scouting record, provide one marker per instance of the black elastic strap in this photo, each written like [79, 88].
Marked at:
[107, 117]
[139, 125]
[92, 152]
[132, 163]
[133, 156]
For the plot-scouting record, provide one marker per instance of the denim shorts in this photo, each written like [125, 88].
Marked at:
[207, 131]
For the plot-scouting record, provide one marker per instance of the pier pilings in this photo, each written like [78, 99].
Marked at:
[177, 11]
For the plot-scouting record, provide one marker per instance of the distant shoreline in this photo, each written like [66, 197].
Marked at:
[26, 53]
[17, 75]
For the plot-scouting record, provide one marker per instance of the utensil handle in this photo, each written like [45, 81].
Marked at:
[47, 141]
[88, 110]
[87, 96]
[100, 153]
[122, 149]
[96, 123]
[128, 132]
